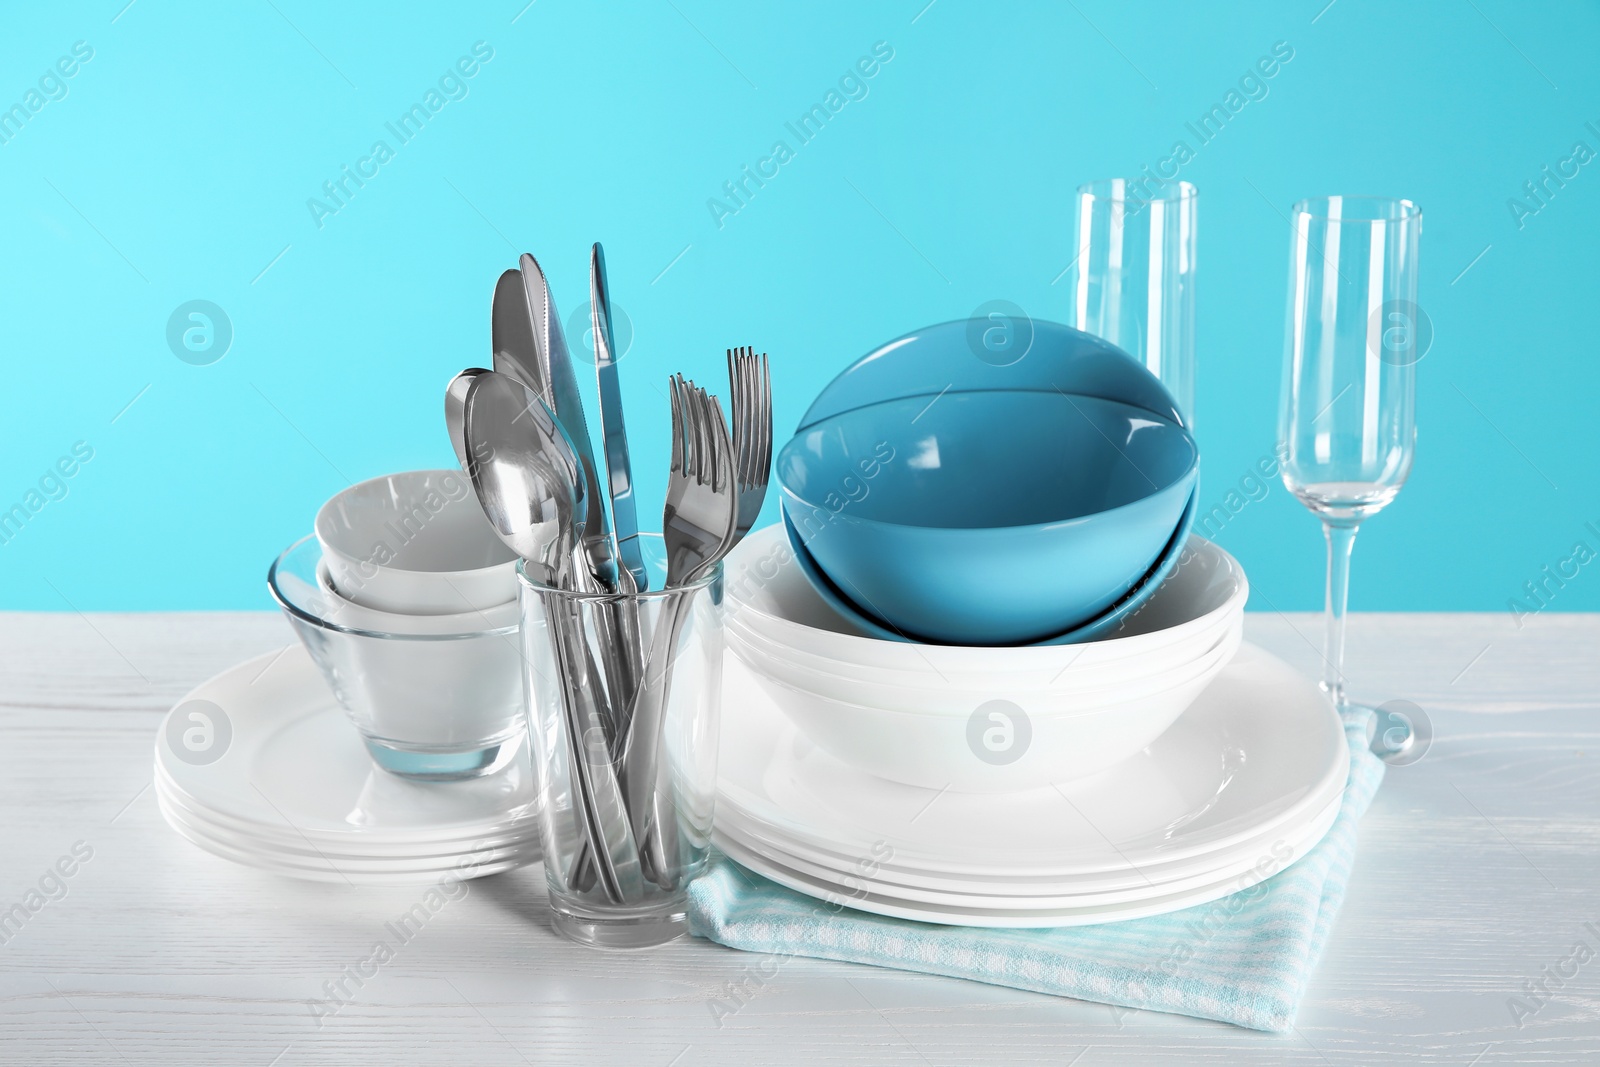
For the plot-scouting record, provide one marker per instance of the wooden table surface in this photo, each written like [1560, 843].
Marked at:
[1479, 873]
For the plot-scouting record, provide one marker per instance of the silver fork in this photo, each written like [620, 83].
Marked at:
[750, 382]
[700, 519]
[699, 525]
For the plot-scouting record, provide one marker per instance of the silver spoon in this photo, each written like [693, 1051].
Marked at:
[526, 474]
[455, 412]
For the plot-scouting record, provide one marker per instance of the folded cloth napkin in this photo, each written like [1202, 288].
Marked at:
[1244, 959]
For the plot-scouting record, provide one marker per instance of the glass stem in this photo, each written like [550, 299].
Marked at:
[1341, 535]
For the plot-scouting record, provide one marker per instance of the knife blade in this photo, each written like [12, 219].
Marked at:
[516, 351]
[613, 430]
[557, 381]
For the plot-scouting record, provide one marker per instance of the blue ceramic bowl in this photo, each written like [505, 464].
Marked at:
[1101, 625]
[987, 518]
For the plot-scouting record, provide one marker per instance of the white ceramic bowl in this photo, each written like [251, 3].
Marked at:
[346, 612]
[770, 597]
[1093, 690]
[415, 543]
[996, 745]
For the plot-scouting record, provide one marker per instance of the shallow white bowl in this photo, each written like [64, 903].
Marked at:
[769, 596]
[1074, 671]
[415, 543]
[1086, 692]
[997, 744]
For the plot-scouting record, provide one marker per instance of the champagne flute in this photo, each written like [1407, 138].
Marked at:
[1347, 429]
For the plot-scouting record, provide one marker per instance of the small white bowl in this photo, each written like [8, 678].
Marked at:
[415, 543]
[996, 745]
[346, 612]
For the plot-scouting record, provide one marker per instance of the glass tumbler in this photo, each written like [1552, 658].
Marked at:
[1134, 278]
[624, 699]
[435, 697]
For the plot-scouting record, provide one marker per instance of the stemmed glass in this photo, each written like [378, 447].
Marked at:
[1347, 430]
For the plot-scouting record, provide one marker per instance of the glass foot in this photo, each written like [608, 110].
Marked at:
[622, 932]
[1401, 732]
[432, 765]
[1398, 732]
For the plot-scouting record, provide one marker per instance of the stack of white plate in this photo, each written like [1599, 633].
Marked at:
[1243, 784]
[260, 766]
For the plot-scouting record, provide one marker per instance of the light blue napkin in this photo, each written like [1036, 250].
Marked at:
[1243, 959]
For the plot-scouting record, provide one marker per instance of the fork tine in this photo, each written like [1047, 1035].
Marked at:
[686, 399]
[672, 438]
[710, 418]
[737, 403]
[675, 396]
[708, 429]
[764, 423]
[691, 431]
[721, 447]
[743, 413]
[700, 438]
[697, 467]
[757, 437]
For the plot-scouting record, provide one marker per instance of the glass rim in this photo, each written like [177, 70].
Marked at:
[578, 596]
[284, 601]
[1170, 190]
[1319, 207]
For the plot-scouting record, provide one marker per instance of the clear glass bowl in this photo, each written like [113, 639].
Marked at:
[435, 697]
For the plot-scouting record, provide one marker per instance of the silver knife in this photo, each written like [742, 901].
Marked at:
[557, 381]
[516, 350]
[614, 433]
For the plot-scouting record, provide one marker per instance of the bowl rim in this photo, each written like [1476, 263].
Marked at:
[740, 630]
[1215, 658]
[323, 519]
[1093, 693]
[301, 614]
[1189, 473]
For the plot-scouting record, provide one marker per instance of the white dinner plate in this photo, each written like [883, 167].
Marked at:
[1260, 747]
[880, 870]
[292, 761]
[291, 844]
[288, 836]
[1270, 857]
[836, 896]
[350, 870]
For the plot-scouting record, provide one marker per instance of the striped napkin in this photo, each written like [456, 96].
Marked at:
[1244, 959]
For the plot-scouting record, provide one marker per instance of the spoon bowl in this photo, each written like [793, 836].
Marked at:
[525, 472]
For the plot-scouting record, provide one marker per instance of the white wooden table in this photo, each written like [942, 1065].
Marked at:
[1479, 868]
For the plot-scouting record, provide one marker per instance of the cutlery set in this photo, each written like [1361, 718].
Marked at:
[522, 435]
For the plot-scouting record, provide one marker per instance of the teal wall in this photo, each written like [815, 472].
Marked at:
[176, 164]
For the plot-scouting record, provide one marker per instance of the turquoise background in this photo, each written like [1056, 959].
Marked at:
[179, 164]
